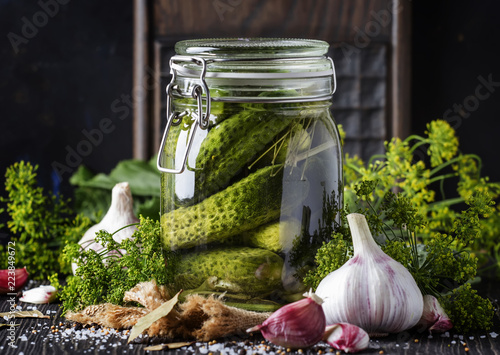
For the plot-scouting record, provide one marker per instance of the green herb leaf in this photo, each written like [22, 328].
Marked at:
[143, 179]
[93, 192]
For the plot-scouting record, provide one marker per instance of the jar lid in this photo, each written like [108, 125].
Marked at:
[248, 69]
[252, 47]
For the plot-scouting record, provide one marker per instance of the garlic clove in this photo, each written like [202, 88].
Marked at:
[371, 290]
[296, 325]
[12, 280]
[39, 295]
[347, 337]
[119, 215]
[434, 318]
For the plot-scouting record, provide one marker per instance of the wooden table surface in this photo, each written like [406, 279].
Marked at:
[55, 335]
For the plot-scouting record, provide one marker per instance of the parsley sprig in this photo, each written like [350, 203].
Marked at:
[106, 275]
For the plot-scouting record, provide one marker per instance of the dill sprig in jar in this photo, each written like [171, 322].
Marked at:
[251, 166]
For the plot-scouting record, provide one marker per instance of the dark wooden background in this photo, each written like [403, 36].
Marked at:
[70, 74]
[372, 101]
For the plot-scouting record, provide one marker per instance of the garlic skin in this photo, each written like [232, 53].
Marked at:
[434, 318]
[39, 295]
[347, 337]
[371, 290]
[119, 215]
[12, 280]
[296, 325]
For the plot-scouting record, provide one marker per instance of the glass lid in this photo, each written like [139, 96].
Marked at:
[252, 47]
[251, 69]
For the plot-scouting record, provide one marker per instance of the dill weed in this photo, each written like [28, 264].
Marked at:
[441, 240]
[40, 223]
[105, 276]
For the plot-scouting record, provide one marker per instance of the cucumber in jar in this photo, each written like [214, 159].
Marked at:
[251, 271]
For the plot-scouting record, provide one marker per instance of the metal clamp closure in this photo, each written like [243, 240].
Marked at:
[191, 72]
[175, 118]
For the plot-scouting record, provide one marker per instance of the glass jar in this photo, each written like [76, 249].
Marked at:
[251, 166]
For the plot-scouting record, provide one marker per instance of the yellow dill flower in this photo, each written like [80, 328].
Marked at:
[443, 144]
[398, 156]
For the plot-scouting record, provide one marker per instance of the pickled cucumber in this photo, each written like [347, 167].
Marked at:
[251, 271]
[232, 144]
[271, 236]
[246, 204]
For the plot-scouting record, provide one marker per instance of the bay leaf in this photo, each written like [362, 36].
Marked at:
[24, 314]
[158, 347]
[8, 325]
[146, 321]
[169, 346]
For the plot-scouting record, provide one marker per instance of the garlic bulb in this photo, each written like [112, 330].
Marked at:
[119, 215]
[434, 318]
[371, 290]
[296, 325]
[347, 337]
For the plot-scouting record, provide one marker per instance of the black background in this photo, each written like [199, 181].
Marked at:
[65, 79]
[455, 43]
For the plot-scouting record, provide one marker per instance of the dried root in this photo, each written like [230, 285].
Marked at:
[214, 319]
[197, 318]
[108, 315]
